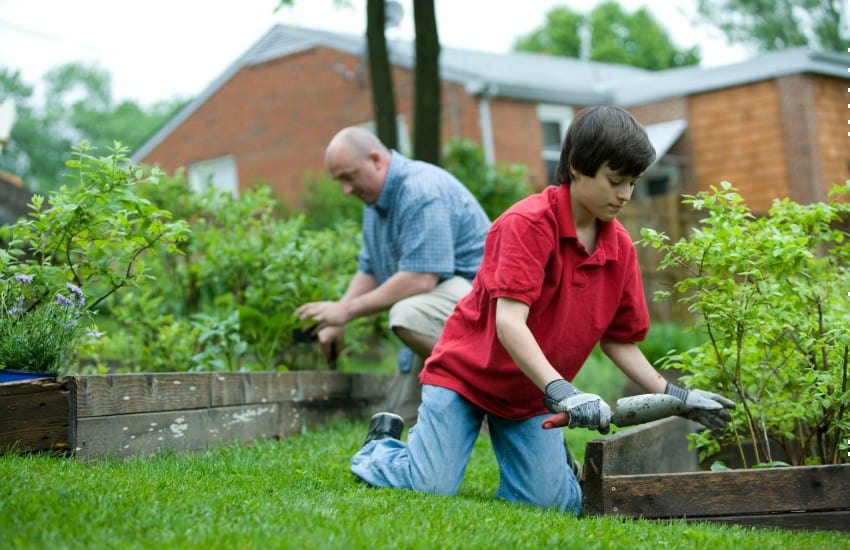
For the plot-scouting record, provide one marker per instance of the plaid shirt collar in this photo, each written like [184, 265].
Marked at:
[391, 184]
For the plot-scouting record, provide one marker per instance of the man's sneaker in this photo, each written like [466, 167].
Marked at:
[384, 425]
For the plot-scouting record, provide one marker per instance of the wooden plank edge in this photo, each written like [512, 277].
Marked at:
[831, 520]
[771, 490]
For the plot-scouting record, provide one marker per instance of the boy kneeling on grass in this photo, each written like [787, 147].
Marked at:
[559, 275]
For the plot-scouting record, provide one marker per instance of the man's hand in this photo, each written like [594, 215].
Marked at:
[574, 408]
[709, 409]
[323, 313]
[331, 341]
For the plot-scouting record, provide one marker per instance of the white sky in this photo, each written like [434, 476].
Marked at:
[158, 49]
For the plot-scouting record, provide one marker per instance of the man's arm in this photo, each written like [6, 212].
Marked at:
[363, 297]
[381, 298]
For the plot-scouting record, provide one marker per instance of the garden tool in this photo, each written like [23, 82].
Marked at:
[308, 334]
[636, 409]
[643, 408]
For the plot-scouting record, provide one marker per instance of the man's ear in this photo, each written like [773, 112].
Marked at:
[379, 161]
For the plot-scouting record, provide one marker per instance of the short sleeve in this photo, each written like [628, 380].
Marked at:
[515, 259]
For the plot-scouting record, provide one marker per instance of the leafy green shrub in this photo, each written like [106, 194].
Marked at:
[496, 187]
[228, 302]
[92, 240]
[325, 205]
[665, 339]
[772, 296]
[97, 231]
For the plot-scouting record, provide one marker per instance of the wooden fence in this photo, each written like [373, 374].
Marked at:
[666, 214]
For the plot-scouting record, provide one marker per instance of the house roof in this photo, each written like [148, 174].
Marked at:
[530, 77]
[692, 80]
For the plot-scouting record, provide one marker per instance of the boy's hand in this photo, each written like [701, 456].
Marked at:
[709, 409]
[574, 408]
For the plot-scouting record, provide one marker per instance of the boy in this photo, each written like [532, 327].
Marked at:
[559, 275]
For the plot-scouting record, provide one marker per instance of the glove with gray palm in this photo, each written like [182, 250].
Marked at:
[709, 409]
[585, 410]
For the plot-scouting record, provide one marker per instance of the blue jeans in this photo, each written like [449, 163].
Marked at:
[532, 461]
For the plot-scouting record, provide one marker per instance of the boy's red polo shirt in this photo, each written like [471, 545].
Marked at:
[532, 254]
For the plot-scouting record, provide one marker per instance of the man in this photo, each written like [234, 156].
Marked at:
[423, 238]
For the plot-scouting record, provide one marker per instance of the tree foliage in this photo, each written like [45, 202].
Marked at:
[77, 105]
[616, 36]
[778, 24]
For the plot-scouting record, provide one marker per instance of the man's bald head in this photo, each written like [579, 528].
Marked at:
[357, 142]
[358, 160]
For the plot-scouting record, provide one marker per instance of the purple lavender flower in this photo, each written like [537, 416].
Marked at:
[81, 300]
[63, 301]
[23, 278]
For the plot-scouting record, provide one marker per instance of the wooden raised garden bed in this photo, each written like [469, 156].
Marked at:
[122, 415]
[648, 472]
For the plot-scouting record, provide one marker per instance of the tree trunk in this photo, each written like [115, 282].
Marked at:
[383, 100]
[426, 117]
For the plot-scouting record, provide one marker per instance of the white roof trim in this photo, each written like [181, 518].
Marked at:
[664, 134]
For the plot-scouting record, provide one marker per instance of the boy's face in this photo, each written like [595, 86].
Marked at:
[601, 196]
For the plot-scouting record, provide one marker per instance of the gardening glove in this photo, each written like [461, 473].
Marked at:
[585, 410]
[709, 409]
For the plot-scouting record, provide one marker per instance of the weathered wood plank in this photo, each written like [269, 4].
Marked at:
[703, 494]
[33, 406]
[244, 388]
[113, 394]
[655, 447]
[323, 386]
[186, 430]
[32, 386]
[35, 421]
[370, 387]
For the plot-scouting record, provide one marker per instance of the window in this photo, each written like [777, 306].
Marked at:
[554, 121]
[218, 173]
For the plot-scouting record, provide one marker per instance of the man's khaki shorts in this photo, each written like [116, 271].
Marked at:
[427, 313]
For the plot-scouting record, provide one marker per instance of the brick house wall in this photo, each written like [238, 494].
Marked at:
[517, 137]
[784, 137]
[737, 136]
[778, 138]
[277, 117]
[832, 96]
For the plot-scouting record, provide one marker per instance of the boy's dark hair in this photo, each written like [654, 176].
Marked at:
[603, 134]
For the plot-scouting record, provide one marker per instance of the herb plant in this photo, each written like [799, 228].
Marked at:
[37, 335]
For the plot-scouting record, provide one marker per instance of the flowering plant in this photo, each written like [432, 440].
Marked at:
[39, 332]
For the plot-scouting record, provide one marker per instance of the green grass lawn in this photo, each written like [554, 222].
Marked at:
[298, 493]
